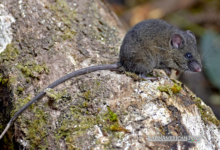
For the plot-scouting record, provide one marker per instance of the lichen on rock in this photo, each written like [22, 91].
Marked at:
[99, 110]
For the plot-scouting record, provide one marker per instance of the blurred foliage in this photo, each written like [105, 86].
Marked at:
[210, 48]
[205, 13]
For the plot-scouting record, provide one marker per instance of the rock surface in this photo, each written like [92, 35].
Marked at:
[99, 110]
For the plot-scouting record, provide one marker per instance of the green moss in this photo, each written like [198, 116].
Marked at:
[206, 112]
[55, 95]
[176, 88]
[85, 104]
[118, 127]
[26, 70]
[20, 89]
[62, 8]
[177, 82]
[165, 89]
[37, 129]
[3, 80]
[21, 102]
[36, 126]
[70, 141]
[12, 80]
[73, 128]
[68, 34]
[75, 123]
[38, 68]
[114, 124]
[10, 53]
[65, 14]
[87, 95]
[32, 69]
[112, 116]
[170, 90]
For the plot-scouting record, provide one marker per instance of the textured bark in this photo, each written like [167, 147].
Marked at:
[44, 40]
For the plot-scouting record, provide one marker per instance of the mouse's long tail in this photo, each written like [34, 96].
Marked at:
[57, 82]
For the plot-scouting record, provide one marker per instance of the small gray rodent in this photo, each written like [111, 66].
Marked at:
[156, 44]
[148, 45]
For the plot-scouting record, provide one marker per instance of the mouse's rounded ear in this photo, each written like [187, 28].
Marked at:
[190, 33]
[177, 41]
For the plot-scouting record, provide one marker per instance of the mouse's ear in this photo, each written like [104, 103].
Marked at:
[177, 41]
[190, 33]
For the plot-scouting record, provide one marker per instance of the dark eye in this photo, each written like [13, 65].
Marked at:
[188, 55]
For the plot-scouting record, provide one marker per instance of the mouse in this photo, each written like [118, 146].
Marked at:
[155, 44]
[150, 44]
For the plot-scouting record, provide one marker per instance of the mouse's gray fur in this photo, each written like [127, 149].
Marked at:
[148, 45]
[156, 44]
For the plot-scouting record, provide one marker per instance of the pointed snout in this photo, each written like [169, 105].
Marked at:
[194, 66]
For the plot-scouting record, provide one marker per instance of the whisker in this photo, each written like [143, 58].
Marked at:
[204, 66]
[207, 64]
[204, 55]
[211, 44]
[212, 58]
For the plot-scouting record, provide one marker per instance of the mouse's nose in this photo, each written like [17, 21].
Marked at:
[194, 66]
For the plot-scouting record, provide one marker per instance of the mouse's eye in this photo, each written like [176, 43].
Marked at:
[188, 55]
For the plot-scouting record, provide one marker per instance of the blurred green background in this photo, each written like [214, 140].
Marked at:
[202, 17]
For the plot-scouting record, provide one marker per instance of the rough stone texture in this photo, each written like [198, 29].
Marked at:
[5, 23]
[99, 110]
